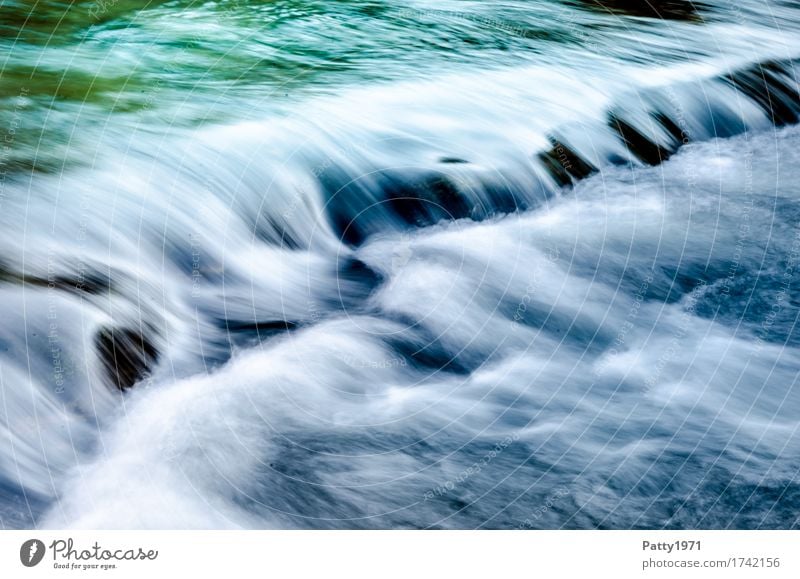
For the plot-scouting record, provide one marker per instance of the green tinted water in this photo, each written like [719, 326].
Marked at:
[70, 69]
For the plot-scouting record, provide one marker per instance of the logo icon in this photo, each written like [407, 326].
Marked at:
[32, 552]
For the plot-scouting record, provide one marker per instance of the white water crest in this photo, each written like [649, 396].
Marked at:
[438, 303]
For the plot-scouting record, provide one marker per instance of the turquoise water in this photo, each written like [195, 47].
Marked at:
[69, 69]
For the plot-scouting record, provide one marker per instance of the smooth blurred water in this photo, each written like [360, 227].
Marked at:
[79, 69]
[377, 264]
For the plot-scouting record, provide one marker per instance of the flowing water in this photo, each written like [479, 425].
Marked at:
[273, 264]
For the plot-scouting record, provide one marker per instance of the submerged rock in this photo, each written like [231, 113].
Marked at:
[667, 9]
[564, 165]
[126, 355]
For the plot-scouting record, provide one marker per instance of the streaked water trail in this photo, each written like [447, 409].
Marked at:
[566, 277]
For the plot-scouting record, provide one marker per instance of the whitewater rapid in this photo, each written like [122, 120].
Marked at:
[595, 350]
[439, 304]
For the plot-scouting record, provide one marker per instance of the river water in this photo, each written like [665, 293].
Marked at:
[399, 264]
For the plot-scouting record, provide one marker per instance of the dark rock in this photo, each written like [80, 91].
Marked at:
[639, 145]
[126, 355]
[426, 201]
[770, 88]
[261, 327]
[673, 129]
[92, 282]
[565, 165]
[666, 9]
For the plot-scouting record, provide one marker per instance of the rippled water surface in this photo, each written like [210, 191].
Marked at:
[272, 264]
